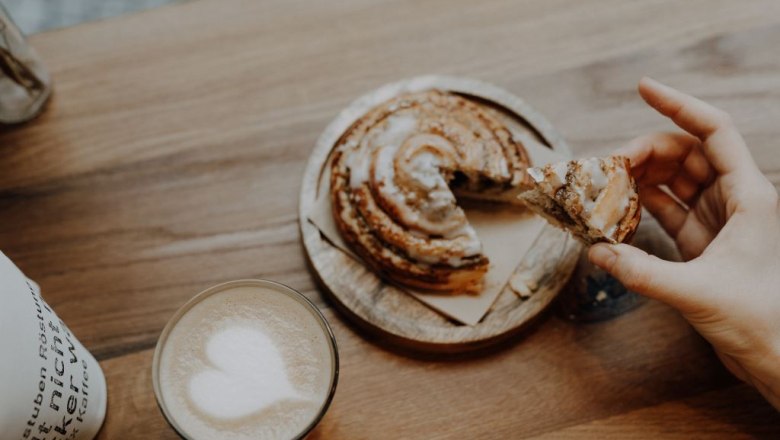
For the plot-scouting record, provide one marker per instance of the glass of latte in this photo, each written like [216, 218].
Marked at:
[249, 359]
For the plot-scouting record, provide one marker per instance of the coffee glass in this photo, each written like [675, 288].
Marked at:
[245, 359]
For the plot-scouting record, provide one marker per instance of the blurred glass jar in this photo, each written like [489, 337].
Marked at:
[25, 85]
[594, 295]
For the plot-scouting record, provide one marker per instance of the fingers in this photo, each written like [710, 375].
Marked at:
[723, 145]
[698, 167]
[670, 215]
[684, 188]
[658, 157]
[691, 114]
[658, 147]
[672, 159]
[733, 366]
[697, 237]
[676, 220]
[646, 274]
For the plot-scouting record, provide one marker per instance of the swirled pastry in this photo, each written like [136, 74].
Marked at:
[394, 177]
[595, 199]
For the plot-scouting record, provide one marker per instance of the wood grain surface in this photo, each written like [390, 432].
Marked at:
[171, 155]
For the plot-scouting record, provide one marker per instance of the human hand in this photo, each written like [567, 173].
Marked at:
[725, 220]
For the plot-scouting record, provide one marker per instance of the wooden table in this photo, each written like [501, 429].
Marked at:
[170, 160]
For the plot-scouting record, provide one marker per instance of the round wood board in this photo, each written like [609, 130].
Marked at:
[387, 312]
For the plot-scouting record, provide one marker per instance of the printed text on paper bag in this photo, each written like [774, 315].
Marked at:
[62, 397]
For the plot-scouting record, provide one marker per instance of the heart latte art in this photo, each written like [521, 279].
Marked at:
[245, 363]
[249, 375]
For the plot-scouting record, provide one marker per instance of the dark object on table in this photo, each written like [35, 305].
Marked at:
[594, 295]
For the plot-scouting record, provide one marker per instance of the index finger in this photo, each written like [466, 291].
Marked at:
[721, 142]
[667, 154]
[671, 147]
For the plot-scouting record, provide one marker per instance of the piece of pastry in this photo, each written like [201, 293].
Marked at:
[394, 176]
[596, 199]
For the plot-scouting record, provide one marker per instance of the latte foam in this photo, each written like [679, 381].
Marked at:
[248, 362]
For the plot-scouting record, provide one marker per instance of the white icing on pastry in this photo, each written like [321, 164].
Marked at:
[598, 178]
[358, 163]
[537, 174]
[598, 191]
[611, 205]
[390, 183]
[396, 129]
[410, 183]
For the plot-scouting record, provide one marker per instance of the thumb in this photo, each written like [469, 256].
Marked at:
[648, 275]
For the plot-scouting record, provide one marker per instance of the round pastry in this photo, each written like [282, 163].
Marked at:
[394, 176]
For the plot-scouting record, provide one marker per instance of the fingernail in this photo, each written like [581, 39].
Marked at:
[651, 81]
[655, 83]
[602, 255]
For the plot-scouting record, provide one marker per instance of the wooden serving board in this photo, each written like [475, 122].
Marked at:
[386, 312]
